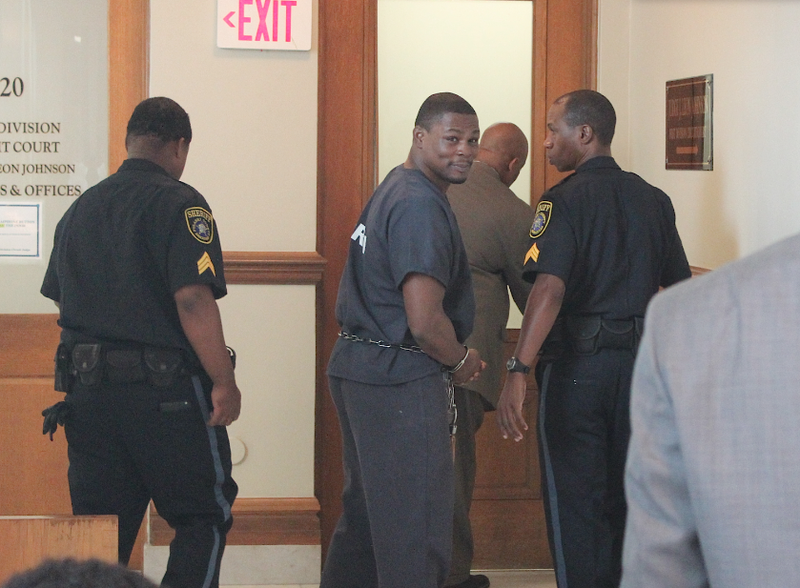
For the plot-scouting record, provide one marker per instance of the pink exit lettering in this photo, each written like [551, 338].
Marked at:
[263, 8]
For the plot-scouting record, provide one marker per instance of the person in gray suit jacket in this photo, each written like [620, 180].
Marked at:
[494, 226]
[713, 470]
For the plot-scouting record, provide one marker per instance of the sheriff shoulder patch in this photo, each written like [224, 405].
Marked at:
[201, 224]
[205, 263]
[541, 219]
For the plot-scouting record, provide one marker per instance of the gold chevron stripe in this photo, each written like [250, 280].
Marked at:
[205, 263]
[533, 253]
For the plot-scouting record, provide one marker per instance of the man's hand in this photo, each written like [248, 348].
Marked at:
[544, 304]
[199, 316]
[509, 407]
[471, 370]
[227, 401]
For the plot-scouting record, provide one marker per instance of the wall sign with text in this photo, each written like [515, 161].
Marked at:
[20, 230]
[689, 123]
[264, 24]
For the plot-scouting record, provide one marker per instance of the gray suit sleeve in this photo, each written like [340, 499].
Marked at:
[661, 547]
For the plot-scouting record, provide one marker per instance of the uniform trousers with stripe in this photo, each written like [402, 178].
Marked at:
[130, 443]
[584, 428]
[395, 530]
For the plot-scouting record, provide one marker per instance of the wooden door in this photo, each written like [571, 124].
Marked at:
[507, 514]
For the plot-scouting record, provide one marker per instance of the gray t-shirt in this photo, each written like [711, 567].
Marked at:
[407, 227]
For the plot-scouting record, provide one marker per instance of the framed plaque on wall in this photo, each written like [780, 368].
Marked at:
[689, 137]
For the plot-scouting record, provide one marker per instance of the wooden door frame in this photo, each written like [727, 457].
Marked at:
[128, 50]
[564, 59]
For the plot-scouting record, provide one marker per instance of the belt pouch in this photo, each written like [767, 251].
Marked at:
[64, 371]
[617, 334]
[86, 360]
[163, 365]
[583, 333]
[124, 366]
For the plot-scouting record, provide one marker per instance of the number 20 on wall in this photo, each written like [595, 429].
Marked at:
[9, 87]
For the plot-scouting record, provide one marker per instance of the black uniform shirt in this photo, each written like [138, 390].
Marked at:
[407, 227]
[124, 248]
[610, 236]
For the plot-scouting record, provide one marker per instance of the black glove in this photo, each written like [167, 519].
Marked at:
[53, 416]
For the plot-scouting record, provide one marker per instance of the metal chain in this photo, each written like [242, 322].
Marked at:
[452, 412]
[384, 344]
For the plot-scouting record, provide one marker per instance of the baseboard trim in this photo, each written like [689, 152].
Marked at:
[259, 521]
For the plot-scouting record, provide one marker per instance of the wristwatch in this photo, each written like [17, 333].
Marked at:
[515, 365]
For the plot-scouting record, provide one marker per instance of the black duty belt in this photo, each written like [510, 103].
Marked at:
[92, 363]
[586, 335]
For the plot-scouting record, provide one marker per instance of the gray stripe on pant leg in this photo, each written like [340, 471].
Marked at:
[212, 439]
[212, 560]
[558, 549]
[220, 478]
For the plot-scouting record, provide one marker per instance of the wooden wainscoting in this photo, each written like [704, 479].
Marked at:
[33, 470]
[273, 267]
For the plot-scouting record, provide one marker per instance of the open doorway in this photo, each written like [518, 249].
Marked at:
[483, 51]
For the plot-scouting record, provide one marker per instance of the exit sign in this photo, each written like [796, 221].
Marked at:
[264, 24]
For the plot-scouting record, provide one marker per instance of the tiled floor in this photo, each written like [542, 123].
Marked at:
[511, 579]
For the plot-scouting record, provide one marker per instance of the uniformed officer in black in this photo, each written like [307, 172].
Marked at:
[136, 269]
[602, 243]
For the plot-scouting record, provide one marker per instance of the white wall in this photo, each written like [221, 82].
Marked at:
[273, 332]
[253, 156]
[254, 118]
[479, 49]
[752, 198]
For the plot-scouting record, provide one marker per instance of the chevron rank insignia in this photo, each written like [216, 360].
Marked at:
[533, 253]
[201, 224]
[205, 263]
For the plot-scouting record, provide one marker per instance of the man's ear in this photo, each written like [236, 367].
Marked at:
[177, 146]
[419, 134]
[586, 134]
[512, 165]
